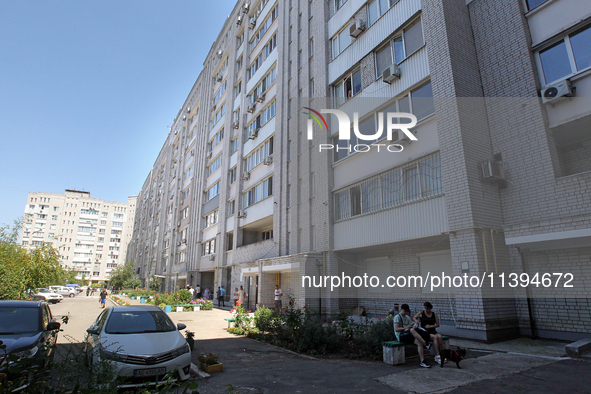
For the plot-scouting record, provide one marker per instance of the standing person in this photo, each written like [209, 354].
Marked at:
[241, 296]
[198, 292]
[192, 291]
[87, 291]
[235, 296]
[206, 293]
[103, 297]
[223, 295]
[405, 333]
[429, 321]
[92, 292]
[278, 294]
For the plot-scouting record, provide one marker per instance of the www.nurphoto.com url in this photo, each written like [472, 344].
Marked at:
[437, 281]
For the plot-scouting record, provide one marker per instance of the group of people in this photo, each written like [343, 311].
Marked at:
[420, 330]
[239, 296]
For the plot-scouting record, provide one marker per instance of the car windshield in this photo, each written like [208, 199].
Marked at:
[18, 320]
[44, 291]
[135, 322]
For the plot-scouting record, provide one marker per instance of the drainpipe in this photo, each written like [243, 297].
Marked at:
[532, 325]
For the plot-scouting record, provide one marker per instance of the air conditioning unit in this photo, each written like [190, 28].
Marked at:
[184, 117]
[213, 107]
[250, 108]
[357, 28]
[182, 202]
[493, 170]
[245, 7]
[208, 155]
[220, 53]
[219, 78]
[400, 138]
[236, 124]
[268, 160]
[178, 243]
[192, 152]
[556, 91]
[252, 23]
[254, 134]
[246, 175]
[211, 257]
[391, 74]
[239, 20]
[261, 98]
[241, 214]
[184, 240]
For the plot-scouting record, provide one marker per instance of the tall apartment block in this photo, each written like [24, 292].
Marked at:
[91, 234]
[496, 183]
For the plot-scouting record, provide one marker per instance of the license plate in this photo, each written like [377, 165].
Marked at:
[149, 372]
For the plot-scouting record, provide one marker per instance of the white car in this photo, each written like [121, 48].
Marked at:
[48, 295]
[64, 291]
[141, 342]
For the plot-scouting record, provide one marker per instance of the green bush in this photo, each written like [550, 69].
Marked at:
[236, 330]
[266, 320]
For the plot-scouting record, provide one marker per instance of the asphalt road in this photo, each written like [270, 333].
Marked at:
[82, 312]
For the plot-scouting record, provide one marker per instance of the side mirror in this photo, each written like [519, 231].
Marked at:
[93, 330]
[181, 326]
[52, 326]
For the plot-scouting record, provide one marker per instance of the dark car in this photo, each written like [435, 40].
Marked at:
[28, 331]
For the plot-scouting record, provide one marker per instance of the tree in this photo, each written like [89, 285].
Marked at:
[155, 284]
[22, 270]
[123, 277]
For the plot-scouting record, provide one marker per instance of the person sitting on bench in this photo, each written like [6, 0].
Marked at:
[403, 328]
[430, 321]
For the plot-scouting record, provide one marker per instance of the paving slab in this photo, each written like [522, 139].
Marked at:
[539, 347]
[441, 380]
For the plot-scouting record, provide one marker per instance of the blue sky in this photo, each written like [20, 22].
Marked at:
[87, 89]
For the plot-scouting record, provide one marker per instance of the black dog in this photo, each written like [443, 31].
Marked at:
[453, 355]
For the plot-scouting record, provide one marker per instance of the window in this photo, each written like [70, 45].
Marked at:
[338, 4]
[53, 217]
[210, 219]
[259, 154]
[348, 87]
[257, 193]
[230, 239]
[231, 207]
[118, 215]
[378, 8]
[218, 115]
[265, 52]
[265, 235]
[399, 47]
[234, 145]
[531, 4]
[220, 92]
[187, 173]
[215, 141]
[311, 48]
[117, 224]
[213, 191]
[415, 180]
[567, 56]
[56, 209]
[263, 85]
[340, 42]
[215, 164]
[185, 213]
[237, 89]
[232, 175]
[263, 29]
[266, 114]
[209, 247]
[186, 193]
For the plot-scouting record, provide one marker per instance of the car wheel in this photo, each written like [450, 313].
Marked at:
[71, 295]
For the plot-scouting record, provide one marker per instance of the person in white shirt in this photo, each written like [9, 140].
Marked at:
[192, 290]
[403, 328]
[278, 295]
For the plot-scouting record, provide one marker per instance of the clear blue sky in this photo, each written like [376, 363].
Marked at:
[87, 89]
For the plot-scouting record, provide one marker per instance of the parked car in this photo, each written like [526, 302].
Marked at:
[142, 342]
[64, 291]
[28, 330]
[48, 295]
[76, 287]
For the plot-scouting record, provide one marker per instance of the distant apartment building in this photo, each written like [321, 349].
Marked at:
[91, 234]
[498, 181]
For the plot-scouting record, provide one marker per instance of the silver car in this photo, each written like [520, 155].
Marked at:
[48, 295]
[64, 291]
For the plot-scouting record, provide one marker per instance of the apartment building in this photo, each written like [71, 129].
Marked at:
[497, 180]
[91, 234]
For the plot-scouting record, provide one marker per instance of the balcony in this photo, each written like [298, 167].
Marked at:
[255, 251]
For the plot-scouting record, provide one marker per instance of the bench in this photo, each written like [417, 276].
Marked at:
[179, 307]
[394, 353]
[230, 321]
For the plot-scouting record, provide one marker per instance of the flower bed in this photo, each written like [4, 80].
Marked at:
[118, 300]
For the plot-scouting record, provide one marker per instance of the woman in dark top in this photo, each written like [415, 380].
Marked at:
[430, 321]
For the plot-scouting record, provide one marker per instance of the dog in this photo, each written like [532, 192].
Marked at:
[453, 355]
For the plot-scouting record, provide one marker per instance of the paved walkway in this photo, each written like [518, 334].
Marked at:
[517, 366]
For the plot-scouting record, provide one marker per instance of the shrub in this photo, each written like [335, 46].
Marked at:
[236, 330]
[266, 320]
